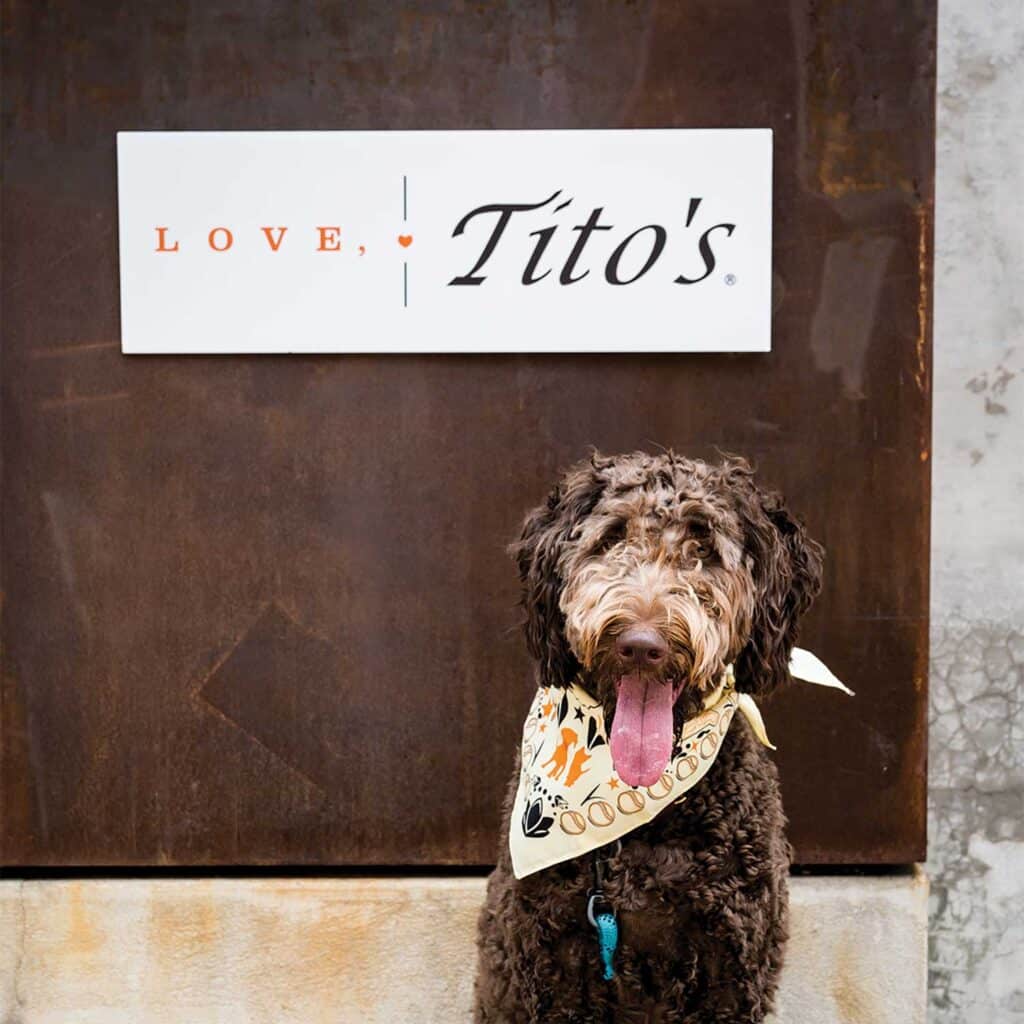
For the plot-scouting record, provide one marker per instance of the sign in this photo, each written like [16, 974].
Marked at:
[651, 240]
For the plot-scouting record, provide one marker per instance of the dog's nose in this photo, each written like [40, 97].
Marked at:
[641, 646]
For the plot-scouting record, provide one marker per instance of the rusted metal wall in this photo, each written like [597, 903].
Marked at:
[244, 597]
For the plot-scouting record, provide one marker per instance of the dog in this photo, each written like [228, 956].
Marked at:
[646, 578]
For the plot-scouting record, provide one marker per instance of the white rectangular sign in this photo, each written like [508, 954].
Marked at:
[651, 240]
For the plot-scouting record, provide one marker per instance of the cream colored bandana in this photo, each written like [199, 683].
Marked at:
[570, 800]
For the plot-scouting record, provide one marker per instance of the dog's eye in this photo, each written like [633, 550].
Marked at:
[698, 542]
[699, 549]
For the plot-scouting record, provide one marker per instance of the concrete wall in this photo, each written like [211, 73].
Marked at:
[977, 712]
[379, 951]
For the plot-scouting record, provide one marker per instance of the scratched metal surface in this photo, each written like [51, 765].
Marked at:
[244, 598]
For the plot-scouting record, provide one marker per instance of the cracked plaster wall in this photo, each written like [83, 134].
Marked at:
[976, 773]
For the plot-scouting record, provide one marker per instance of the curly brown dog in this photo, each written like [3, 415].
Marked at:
[645, 575]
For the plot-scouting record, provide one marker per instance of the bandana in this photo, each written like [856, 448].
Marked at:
[570, 800]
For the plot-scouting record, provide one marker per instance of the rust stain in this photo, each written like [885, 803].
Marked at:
[845, 155]
[206, 925]
[350, 939]
[852, 161]
[84, 938]
[855, 1005]
[921, 343]
[181, 924]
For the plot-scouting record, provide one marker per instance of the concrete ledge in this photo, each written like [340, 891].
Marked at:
[270, 951]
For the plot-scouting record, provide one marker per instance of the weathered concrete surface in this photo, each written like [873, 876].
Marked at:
[270, 951]
[976, 828]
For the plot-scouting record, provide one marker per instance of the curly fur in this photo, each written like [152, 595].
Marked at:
[723, 572]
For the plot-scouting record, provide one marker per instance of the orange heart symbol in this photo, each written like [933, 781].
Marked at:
[405, 241]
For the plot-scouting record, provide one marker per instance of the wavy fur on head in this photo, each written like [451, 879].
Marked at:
[722, 573]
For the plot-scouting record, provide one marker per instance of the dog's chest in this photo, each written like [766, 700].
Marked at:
[652, 931]
[652, 917]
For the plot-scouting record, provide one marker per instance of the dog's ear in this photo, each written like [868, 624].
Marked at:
[547, 531]
[786, 567]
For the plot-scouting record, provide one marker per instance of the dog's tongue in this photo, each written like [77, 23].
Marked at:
[641, 739]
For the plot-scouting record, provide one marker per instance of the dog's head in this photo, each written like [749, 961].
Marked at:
[646, 575]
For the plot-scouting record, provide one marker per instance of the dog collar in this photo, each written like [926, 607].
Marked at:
[570, 800]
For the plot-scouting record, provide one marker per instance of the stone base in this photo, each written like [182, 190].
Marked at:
[394, 950]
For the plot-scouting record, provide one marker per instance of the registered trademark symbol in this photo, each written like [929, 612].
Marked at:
[730, 279]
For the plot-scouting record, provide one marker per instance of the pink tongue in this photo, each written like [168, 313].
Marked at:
[641, 739]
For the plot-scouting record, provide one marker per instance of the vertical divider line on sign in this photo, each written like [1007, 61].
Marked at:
[405, 263]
